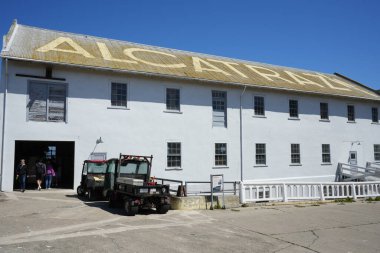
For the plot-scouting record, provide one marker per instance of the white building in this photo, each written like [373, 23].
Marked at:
[196, 114]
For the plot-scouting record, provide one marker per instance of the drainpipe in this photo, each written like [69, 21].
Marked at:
[3, 123]
[241, 135]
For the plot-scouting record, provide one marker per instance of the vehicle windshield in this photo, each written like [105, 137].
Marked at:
[96, 168]
[132, 168]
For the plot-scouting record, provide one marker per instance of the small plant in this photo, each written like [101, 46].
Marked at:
[244, 205]
[346, 200]
[377, 198]
[369, 199]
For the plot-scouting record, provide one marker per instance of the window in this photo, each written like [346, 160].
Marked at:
[324, 111]
[47, 102]
[172, 99]
[119, 94]
[350, 113]
[220, 154]
[375, 115]
[174, 154]
[293, 108]
[219, 108]
[259, 106]
[260, 154]
[376, 148]
[295, 153]
[326, 157]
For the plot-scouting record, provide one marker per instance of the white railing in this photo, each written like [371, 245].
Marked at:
[255, 192]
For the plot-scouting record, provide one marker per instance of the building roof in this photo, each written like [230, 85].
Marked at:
[47, 46]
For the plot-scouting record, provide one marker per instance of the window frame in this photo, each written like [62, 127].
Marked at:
[255, 112]
[290, 109]
[47, 84]
[292, 154]
[220, 154]
[166, 100]
[262, 154]
[326, 154]
[225, 107]
[323, 113]
[348, 113]
[168, 154]
[376, 153]
[127, 84]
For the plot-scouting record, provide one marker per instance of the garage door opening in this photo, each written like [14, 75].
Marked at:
[61, 154]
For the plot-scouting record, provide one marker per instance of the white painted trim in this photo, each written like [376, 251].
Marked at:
[11, 38]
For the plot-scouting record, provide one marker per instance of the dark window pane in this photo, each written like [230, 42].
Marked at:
[220, 154]
[119, 94]
[172, 99]
[259, 106]
[375, 115]
[350, 113]
[324, 110]
[293, 108]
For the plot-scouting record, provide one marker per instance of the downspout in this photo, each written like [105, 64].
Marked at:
[3, 123]
[241, 134]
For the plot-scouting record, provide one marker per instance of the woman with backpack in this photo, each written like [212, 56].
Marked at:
[49, 174]
[40, 172]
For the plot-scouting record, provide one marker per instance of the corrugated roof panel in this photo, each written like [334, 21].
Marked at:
[32, 43]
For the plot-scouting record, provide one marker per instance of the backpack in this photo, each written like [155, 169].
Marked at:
[40, 168]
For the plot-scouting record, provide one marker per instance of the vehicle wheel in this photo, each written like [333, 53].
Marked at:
[129, 209]
[162, 209]
[80, 191]
[91, 195]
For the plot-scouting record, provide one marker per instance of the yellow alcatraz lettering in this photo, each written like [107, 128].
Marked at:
[76, 49]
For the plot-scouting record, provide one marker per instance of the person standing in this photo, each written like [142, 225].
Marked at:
[40, 172]
[21, 174]
[49, 174]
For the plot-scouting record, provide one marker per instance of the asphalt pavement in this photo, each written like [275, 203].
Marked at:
[57, 221]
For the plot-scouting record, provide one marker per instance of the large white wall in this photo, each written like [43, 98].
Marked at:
[145, 128]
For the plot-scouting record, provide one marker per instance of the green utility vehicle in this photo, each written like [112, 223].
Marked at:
[128, 184]
[92, 182]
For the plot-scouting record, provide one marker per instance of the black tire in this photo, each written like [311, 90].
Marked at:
[80, 191]
[162, 209]
[129, 209]
[91, 195]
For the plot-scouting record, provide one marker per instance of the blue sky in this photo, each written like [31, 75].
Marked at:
[327, 35]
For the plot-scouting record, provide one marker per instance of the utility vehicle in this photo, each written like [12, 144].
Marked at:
[128, 184]
[92, 182]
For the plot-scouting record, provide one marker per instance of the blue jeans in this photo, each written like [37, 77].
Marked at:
[22, 179]
[48, 179]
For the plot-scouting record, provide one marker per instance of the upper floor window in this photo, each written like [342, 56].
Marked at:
[261, 158]
[219, 108]
[375, 115]
[174, 154]
[172, 99]
[119, 94]
[47, 101]
[293, 108]
[324, 110]
[376, 149]
[350, 113]
[220, 154]
[259, 106]
[295, 154]
[326, 156]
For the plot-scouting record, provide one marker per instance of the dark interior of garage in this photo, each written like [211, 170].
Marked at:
[61, 155]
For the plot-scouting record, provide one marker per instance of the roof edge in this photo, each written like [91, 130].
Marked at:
[193, 79]
[7, 38]
[356, 82]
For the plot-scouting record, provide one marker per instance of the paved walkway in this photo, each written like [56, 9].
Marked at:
[57, 221]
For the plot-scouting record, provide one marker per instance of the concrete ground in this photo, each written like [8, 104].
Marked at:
[57, 221]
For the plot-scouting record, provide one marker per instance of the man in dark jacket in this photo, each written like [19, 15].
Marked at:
[21, 174]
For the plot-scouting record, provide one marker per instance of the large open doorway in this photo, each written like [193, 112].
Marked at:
[61, 154]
